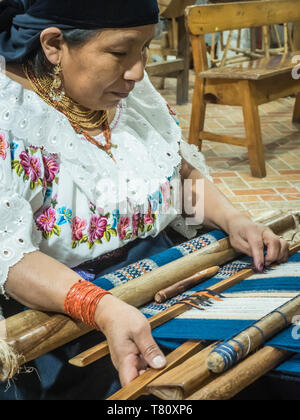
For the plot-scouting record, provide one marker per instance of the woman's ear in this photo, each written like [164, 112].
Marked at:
[52, 43]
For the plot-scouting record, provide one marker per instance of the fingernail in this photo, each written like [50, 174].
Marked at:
[159, 361]
[260, 267]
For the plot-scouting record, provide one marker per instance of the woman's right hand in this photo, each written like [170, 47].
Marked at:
[132, 347]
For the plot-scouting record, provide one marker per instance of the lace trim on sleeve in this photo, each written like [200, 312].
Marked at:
[18, 234]
[191, 154]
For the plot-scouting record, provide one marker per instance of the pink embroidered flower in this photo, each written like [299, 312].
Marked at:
[3, 146]
[51, 168]
[148, 219]
[78, 226]
[122, 226]
[46, 220]
[97, 227]
[135, 223]
[31, 165]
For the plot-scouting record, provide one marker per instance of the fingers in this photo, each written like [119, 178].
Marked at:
[277, 248]
[129, 368]
[267, 248]
[150, 350]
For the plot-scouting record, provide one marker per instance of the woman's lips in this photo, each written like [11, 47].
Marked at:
[121, 94]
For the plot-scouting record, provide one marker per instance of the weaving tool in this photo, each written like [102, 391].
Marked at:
[186, 284]
[229, 384]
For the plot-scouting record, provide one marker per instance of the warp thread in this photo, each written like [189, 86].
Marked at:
[9, 361]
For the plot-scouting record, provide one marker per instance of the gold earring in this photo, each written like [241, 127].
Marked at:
[56, 91]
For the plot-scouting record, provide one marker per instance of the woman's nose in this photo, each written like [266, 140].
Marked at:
[136, 72]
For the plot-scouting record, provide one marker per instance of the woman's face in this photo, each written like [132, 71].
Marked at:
[105, 69]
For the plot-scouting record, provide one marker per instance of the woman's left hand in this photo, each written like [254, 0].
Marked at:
[253, 239]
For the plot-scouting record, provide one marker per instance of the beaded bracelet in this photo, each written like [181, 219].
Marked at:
[82, 300]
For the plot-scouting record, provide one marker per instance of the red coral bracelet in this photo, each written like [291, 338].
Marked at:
[82, 300]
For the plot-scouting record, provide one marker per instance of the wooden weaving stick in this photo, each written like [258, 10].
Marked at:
[230, 383]
[137, 387]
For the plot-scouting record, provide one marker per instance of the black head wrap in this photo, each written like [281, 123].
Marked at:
[22, 21]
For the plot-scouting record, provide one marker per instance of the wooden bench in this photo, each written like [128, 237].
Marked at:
[178, 68]
[249, 84]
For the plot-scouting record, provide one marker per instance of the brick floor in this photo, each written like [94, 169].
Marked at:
[229, 165]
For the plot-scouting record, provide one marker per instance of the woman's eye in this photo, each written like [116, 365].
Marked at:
[119, 53]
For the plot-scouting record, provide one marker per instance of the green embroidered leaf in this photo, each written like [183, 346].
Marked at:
[91, 244]
[84, 239]
[113, 232]
[19, 169]
[26, 177]
[40, 181]
[56, 230]
[74, 244]
[47, 235]
[107, 236]
[107, 215]
[149, 227]
[32, 185]
[98, 241]
[108, 227]
[128, 235]
[15, 164]
[56, 179]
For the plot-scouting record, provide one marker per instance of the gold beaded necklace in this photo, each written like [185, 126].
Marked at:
[80, 119]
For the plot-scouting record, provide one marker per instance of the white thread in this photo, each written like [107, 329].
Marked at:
[9, 361]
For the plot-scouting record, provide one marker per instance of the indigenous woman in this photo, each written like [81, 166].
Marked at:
[91, 161]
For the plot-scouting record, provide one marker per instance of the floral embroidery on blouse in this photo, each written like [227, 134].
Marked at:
[46, 223]
[4, 145]
[100, 226]
[31, 166]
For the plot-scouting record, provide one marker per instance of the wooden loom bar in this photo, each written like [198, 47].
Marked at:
[229, 384]
[51, 331]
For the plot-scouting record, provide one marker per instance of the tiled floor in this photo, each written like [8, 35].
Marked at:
[229, 165]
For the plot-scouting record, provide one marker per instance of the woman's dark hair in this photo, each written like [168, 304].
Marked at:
[74, 38]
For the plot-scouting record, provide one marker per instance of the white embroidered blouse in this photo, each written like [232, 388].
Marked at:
[62, 195]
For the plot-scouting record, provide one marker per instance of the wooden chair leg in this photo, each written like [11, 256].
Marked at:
[296, 115]
[198, 113]
[184, 53]
[253, 130]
